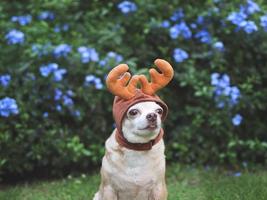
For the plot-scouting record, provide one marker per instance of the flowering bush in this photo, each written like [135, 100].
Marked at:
[55, 111]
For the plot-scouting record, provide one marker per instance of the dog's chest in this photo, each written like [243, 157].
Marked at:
[137, 175]
[142, 168]
[136, 168]
[133, 174]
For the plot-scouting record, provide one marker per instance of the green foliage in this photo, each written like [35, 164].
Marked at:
[50, 133]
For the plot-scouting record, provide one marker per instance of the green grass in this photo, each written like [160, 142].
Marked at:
[184, 183]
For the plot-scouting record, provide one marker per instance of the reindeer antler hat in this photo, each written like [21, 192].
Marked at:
[126, 95]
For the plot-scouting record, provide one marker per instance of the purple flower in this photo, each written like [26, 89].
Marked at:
[237, 17]
[103, 63]
[180, 55]
[218, 91]
[58, 28]
[200, 20]
[76, 113]
[218, 46]
[98, 84]
[88, 54]
[226, 90]
[237, 119]
[58, 94]
[180, 29]
[66, 98]
[46, 15]
[8, 106]
[174, 31]
[62, 50]
[214, 10]
[45, 114]
[249, 26]
[70, 93]
[224, 81]
[220, 81]
[67, 101]
[177, 15]
[215, 79]
[264, 22]
[220, 103]
[45, 70]
[22, 20]
[250, 8]
[52, 68]
[240, 18]
[5, 79]
[65, 27]
[204, 36]
[234, 95]
[223, 89]
[90, 79]
[193, 25]
[111, 57]
[127, 7]
[93, 80]
[117, 57]
[58, 74]
[165, 24]
[58, 107]
[15, 37]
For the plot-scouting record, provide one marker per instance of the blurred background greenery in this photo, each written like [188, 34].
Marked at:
[55, 110]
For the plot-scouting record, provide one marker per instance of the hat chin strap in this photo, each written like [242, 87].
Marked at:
[138, 146]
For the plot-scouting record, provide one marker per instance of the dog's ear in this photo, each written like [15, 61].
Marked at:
[117, 80]
[158, 80]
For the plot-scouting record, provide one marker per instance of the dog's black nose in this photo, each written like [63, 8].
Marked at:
[152, 117]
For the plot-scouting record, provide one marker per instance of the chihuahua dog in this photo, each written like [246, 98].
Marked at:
[135, 175]
[133, 167]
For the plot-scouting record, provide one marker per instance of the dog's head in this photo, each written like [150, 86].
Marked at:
[137, 109]
[142, 122]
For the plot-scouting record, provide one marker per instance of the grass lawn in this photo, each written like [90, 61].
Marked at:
[185, 183]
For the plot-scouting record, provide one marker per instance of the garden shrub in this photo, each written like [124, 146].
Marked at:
[55, 111]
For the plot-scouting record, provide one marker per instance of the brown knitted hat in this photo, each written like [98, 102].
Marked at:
[121, 106]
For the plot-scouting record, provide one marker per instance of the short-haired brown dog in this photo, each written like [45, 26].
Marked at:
[133, 167]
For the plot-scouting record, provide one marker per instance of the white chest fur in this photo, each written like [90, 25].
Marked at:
[135, 171]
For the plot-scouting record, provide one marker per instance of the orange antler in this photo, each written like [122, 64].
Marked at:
[117, 80]
[158, 80]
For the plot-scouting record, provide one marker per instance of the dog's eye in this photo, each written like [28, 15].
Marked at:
[133, 112]
[159, 111]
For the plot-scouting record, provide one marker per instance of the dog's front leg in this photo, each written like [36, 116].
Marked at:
[108, 193]
[159, 192]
